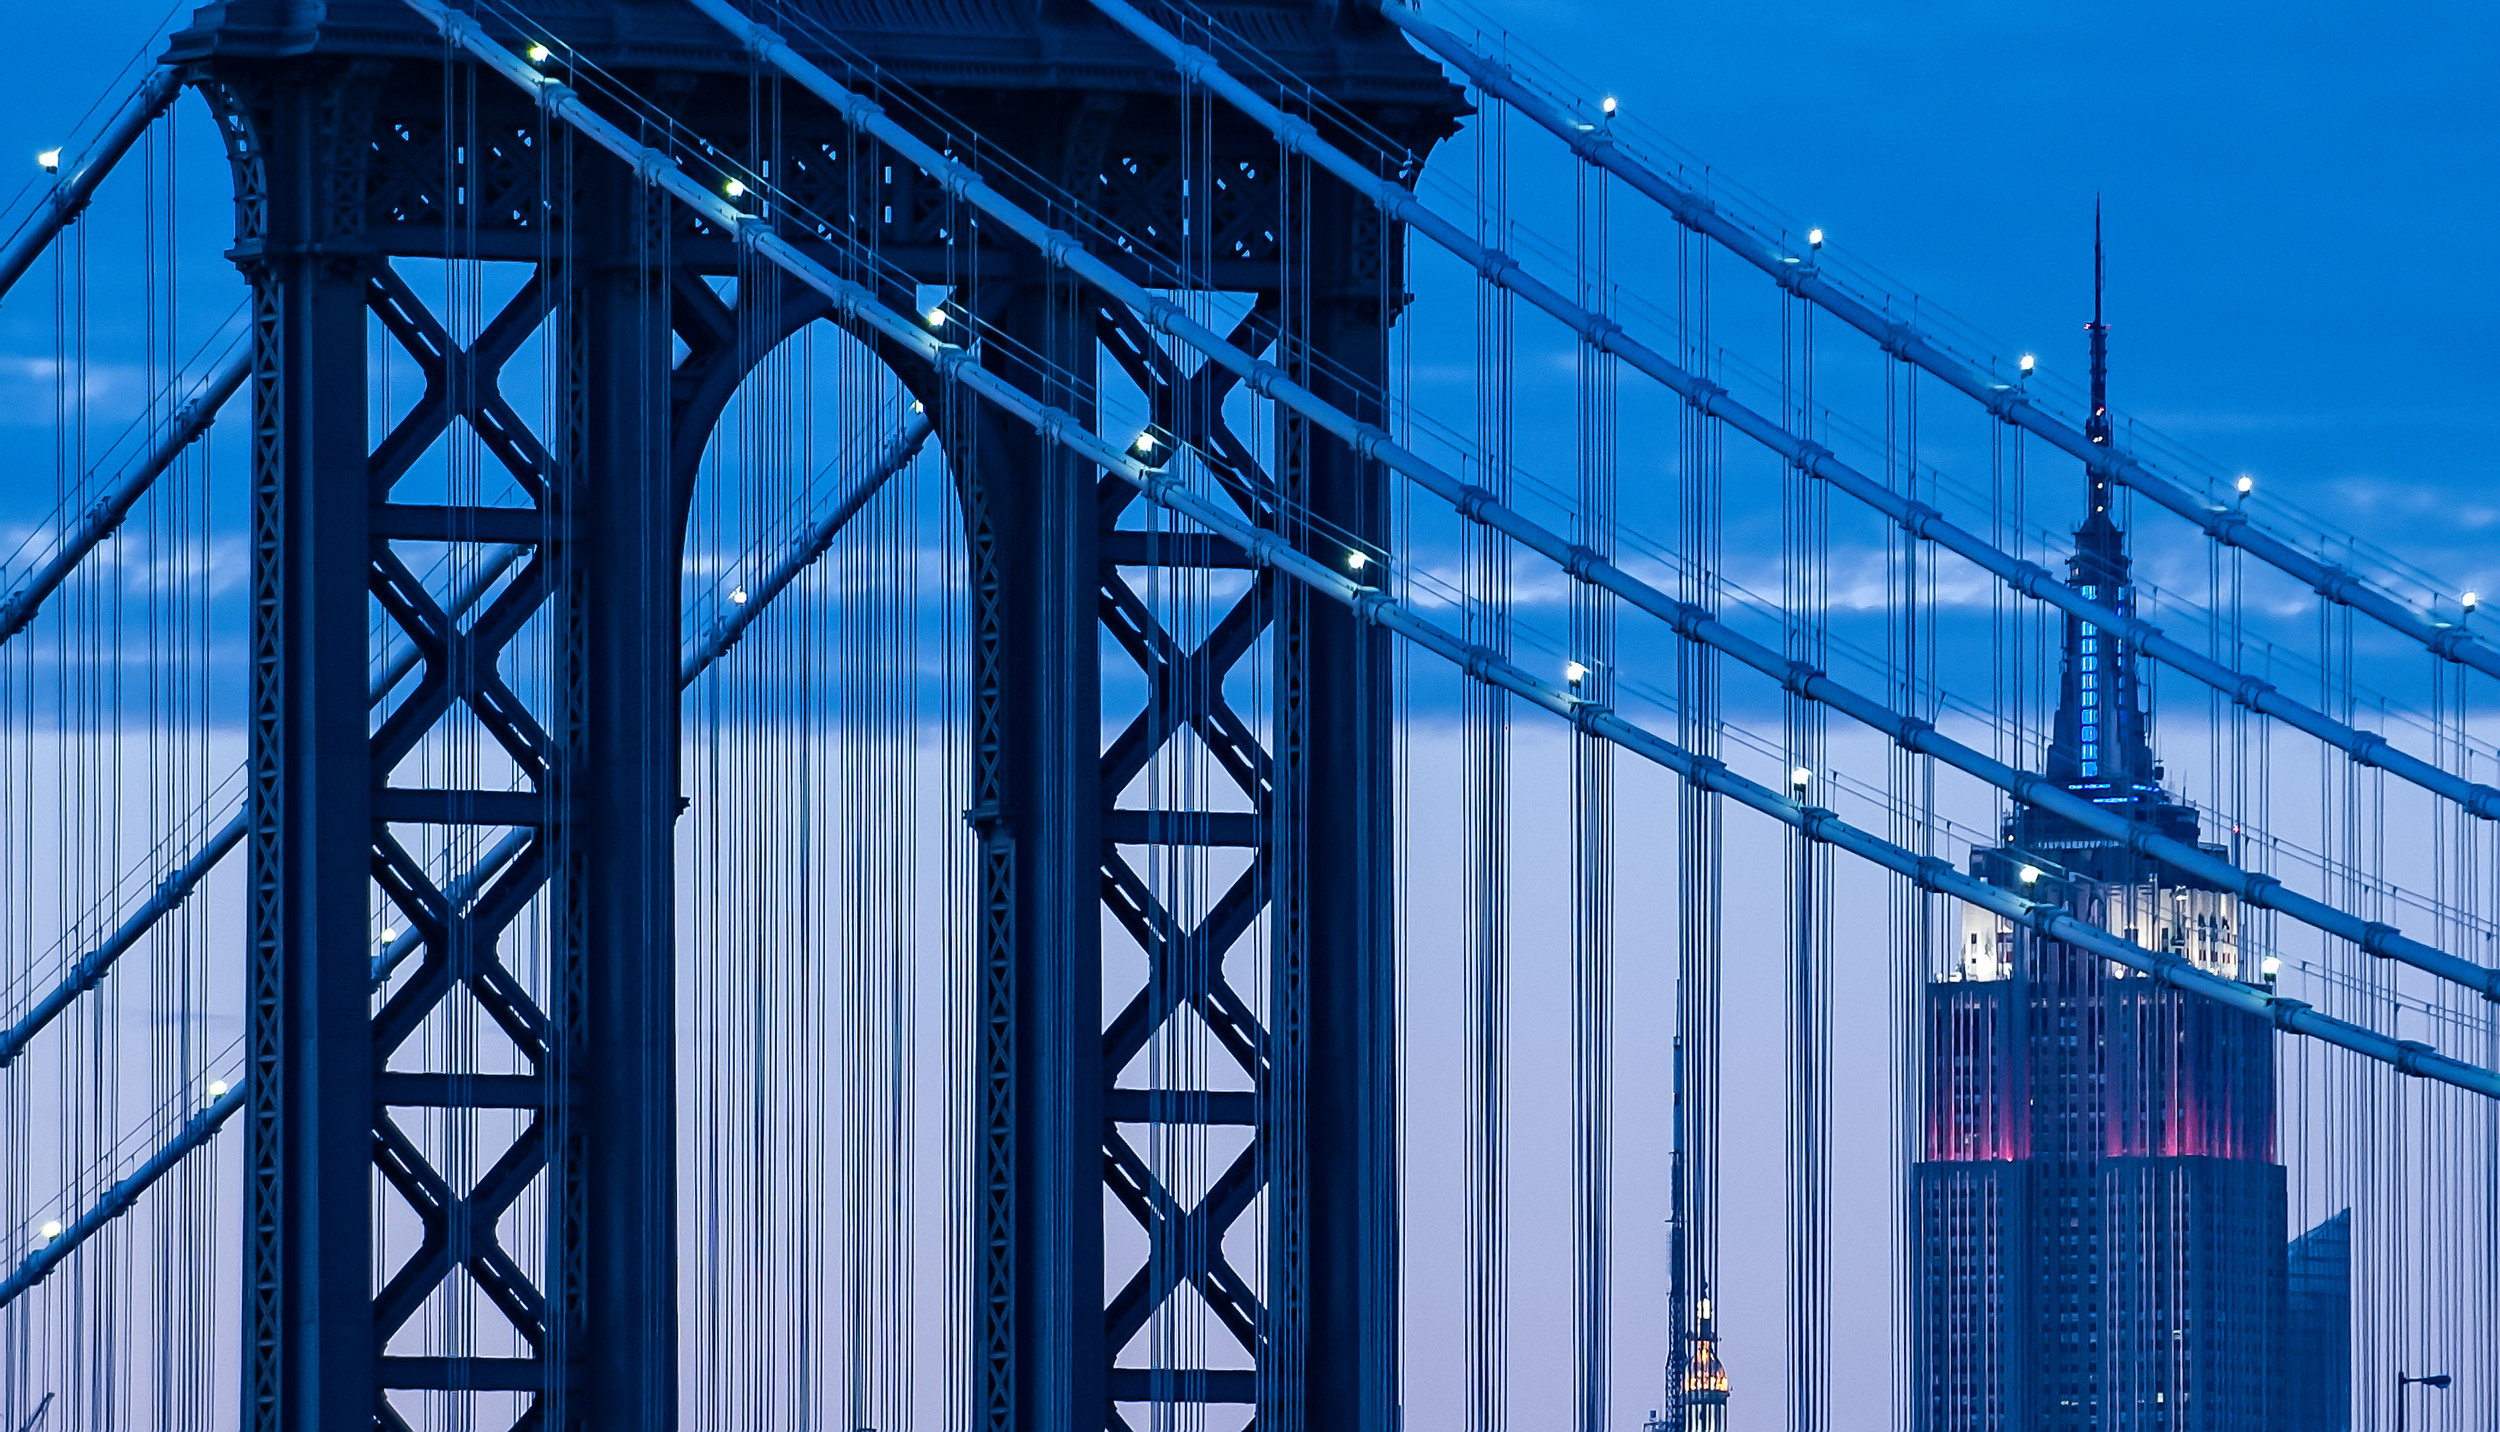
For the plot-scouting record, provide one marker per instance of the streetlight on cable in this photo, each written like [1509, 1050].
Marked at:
[2437, 1379]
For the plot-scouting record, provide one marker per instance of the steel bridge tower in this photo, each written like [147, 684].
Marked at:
[358, 143]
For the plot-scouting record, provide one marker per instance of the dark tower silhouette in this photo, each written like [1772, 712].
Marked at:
[2098, 1205]
[2317, 1340]
[362, 145]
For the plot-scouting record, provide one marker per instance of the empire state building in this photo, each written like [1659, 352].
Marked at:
[2100, 1216]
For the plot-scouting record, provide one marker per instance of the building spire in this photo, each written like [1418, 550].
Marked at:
[2096, 427]
[2102, 744]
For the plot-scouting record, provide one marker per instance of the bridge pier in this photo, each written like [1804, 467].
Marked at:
[360, 815]
[355, 145]
[1037, 668]
[616, 894]
[307, 1223]
[1344, 811]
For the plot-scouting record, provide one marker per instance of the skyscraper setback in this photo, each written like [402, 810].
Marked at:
[2099, 1210]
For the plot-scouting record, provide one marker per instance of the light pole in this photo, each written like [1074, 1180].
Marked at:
[2436, 1379]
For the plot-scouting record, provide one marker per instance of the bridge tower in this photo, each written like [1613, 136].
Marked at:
[359, 147]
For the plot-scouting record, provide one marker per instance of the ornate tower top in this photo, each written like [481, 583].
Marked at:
[1705, 1388]
[2102, 747]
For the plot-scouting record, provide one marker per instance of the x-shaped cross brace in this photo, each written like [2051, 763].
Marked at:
[443, 1214]
[1188, 1243]
[459, 382]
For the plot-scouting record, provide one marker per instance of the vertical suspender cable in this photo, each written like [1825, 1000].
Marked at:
[1592, 852]
[1699, 819]
[2487, 1121]
[1397, 257]
[1912, 789]
[2351, 1146]
[1806, 567]
[1487, 846]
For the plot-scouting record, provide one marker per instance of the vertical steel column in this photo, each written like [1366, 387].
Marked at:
[349, 1099]
[309, 1354]
[629, 535]
[1346, 824]
[1038, 503]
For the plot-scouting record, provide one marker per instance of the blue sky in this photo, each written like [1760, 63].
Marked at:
[2299, 198]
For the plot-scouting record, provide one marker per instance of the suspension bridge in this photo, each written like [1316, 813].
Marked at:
[1142, 713]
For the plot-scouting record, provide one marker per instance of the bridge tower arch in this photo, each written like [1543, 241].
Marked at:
[359, 146]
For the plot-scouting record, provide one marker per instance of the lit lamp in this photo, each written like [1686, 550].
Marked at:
[2437, 1379]
[1151, 449]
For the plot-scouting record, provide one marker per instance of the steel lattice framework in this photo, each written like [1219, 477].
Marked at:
[358, 143]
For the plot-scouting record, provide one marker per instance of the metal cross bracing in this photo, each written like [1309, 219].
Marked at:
[360, 141]
[339, 1083]
[1303, 902]
[322, 211]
